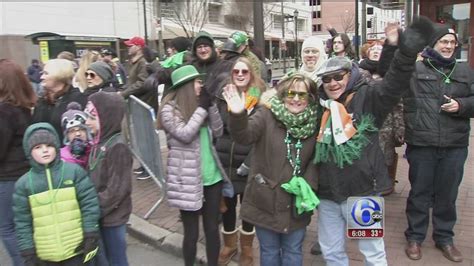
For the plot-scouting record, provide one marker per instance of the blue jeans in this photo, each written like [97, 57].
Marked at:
[332, 226]
[7, 226]
[280, 249]
[115, 244]
[435, 175]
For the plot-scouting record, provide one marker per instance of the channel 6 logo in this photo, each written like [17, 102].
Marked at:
[365, 214]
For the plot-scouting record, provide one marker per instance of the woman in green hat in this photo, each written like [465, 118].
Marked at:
[195, 178]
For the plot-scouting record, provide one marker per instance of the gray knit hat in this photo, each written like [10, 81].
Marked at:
[74, 117]
[103, 70]
[42, 136]
[333, 65]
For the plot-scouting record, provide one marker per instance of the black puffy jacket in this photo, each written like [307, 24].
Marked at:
[426, 124]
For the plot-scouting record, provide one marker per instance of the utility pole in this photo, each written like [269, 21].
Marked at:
[144, 20]
[161, 46]
[283, 51]
[258, 28]
[364, 21]
[357, 29]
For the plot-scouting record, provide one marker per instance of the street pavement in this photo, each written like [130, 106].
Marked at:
[139, 253]
[164, 229]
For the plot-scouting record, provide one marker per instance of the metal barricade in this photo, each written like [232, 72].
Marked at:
[145, 143]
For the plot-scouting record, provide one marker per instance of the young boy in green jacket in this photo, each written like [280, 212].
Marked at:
[55, 205]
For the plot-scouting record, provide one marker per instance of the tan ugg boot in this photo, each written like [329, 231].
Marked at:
[246, 252]
[230, 246]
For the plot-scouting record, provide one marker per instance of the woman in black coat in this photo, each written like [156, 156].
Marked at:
[16, 100]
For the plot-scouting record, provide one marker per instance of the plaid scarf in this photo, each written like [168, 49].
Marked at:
[300, 126]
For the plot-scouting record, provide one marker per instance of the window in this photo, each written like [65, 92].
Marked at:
[370, 11]
[314, 2]
[214, 12]
[316, 14]
[317, 27]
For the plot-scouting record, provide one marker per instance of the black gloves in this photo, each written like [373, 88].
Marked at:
[89, 246]
[204, 99]
[29, 257]
[414, 39]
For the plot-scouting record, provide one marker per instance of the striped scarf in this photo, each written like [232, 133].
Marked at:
[338, 140]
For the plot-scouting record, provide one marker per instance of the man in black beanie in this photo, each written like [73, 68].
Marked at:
[437, 110]
[205, 58]
[179, 44]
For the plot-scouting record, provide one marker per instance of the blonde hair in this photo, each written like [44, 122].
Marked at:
[255, 80]
[87, 59]
[288, 82]
[61, 70]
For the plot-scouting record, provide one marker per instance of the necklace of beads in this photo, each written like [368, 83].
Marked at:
[447, 79]
[296, 162]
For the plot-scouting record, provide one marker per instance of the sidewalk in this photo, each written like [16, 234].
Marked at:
[164, 229]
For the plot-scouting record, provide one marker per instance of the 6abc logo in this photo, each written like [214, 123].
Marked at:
[365, 217]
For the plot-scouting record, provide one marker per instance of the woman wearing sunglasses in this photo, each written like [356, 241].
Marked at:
[99, 77]
[347, 154]
[283, 137]
[236, 160]
[58, 93]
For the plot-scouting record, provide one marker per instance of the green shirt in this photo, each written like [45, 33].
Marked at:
[209, 170]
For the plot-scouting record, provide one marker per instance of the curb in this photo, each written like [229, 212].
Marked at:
[163, 239]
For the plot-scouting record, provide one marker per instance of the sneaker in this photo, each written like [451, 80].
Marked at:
[143, 176]
[138, 170]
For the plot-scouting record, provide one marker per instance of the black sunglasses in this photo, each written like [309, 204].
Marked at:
[90, 74]
[336, 77]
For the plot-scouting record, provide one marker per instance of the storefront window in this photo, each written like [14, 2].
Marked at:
[457, 17]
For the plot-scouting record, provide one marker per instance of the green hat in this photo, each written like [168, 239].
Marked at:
[239, 38]
[183, 75]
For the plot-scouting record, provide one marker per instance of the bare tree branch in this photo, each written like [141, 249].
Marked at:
[348, 22]
[190, 16]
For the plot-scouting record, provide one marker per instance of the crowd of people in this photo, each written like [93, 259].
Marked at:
[327, 131]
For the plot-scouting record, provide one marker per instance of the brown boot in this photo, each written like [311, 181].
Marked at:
[246, 253]
[230, 246]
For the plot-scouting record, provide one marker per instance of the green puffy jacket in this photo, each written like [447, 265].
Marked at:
[54, 205]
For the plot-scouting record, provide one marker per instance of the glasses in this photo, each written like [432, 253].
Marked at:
[311, 51]
[446, 42]
[91, 74]
[203, 47]
[336, 77]
[236, 71]
[302, 95]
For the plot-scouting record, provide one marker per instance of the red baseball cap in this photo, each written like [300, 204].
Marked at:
[138, 41]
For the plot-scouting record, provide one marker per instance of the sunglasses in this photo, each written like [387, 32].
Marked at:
[91, 74]
[302, 95]
[240, 71]
[336, 77]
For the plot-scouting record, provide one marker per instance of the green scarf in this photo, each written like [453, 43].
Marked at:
[174, 61]
[300, 126]
[306, 200]
[348, 152]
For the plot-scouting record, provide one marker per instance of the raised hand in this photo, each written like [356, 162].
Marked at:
[416, 36]
[391, 32]
[234, 102]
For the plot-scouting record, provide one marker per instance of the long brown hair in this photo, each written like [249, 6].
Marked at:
[185, 101]
[255, 80]
[15, 88]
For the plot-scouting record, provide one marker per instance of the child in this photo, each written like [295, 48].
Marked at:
[55, 205]
[195, 180]
[110, 167]
[77, 136]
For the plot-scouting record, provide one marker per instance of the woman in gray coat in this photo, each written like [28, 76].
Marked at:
[195, 178]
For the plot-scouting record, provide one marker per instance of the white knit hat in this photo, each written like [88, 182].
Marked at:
[315, 42]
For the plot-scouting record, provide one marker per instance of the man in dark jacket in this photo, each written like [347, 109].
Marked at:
[137, 72]
[438, 108]
[205, 58]
[34, 74]
[348, 155]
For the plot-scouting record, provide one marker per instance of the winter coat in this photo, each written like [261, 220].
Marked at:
[137, 75]
[51, 113]
[13, 123]
[367, 175]
[110, 163]
[82, 160]
[426, 124]
[184, 181]
[34, 73]
[54, 206]
[231, 153]
[268, 205]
